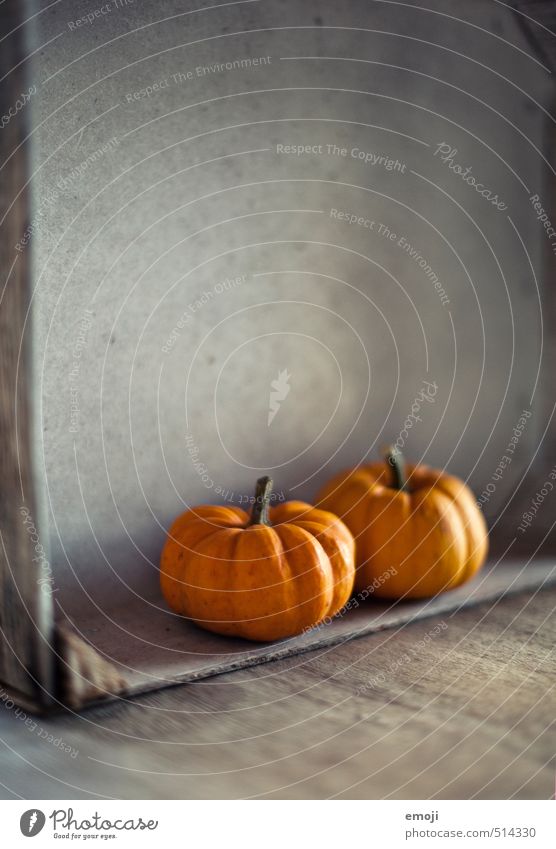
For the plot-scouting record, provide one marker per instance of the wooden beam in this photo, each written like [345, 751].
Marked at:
[25, 597]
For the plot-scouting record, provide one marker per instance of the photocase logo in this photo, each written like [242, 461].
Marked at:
[280, 389]
[32, 822]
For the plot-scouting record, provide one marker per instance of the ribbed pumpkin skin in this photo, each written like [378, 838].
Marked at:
[433, 535]
[257, 581]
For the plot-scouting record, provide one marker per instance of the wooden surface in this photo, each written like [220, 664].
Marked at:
[25, 610]
[148, 646]
[469, 714]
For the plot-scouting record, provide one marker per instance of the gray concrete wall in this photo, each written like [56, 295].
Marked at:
[145, 200]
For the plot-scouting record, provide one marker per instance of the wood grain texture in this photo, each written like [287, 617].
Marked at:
[25, 611]
[469, 713]
[152, 647]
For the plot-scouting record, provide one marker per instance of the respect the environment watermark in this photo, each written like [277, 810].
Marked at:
[384, 231]
[98, 13]
[157, 87]
[542, 216]
[50, 199]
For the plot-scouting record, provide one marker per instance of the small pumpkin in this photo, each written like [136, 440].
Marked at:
[418, 531]
[264, 577]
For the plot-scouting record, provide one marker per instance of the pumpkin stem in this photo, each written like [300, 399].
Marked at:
[263, 492]
[394, 458]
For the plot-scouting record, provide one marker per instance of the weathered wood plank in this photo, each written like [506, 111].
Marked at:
[152, 647]
[25, 610]
[471, 714]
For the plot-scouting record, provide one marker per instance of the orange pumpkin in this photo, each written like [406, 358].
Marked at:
[418, 531]
[266, 576]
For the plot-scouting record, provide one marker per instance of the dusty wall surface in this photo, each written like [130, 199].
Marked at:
[268, 192]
